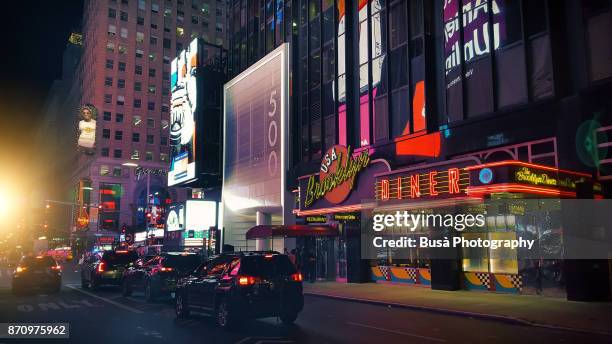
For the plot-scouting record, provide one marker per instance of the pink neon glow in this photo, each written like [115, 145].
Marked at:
[342, 139]
[364, 120]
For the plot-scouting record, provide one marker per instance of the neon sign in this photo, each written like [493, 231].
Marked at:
[452, 181]
[338, 172]
[528, 176]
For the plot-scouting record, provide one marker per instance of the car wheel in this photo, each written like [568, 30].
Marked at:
[149, 292]
[289, 318]
[126, 288]
[181, 306]
[224, 317]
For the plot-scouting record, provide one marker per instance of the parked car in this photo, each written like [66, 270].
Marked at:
[40, 272]
[157, 276]
[107, 268]
[242, 285]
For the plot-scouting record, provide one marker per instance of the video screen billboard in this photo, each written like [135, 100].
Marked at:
[255, 110]
[87, 128]
[183, 109]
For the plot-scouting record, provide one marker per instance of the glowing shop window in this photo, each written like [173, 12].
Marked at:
[503, 260]
[478, 260]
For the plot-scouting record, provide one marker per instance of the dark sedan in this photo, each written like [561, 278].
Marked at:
[41, 272]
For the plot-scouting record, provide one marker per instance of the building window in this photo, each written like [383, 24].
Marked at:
[119, 118]
[120, 83]
[152, 72]
[108, 98]
[120, 100]
[137, 103]
[109, 64]
[124, 32]
[155, 8]
[163, 140]
[163, 157]
[150, 123]
[141, 4]
[106, 133]
[152, 57]
[110, 47]
[112, 13]
[165, 108]
[121, 66]
[104, 170]
[108, 81]
[136, 120]
[139, 53]
[194, 19]
[150, 139]
[598, 24]
[135, 137]
[140, 20]
[151, 106]
[123, 16]
[137, 86]
[104, 151]
[107, 116]
[151, 88]
[118, 135]
[117, 154]
[139, 37]
[135, 154]
[149, 156]
[122, 49]
[166, 60]
[138, 70]
[153, 40]
[153, 26]
[167, 43]
[164, 124]
[112, 30]
[117, 171]
[180, 31]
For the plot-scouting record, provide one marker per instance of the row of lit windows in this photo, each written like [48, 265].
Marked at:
[106, 133]
[108, 81]
[151, 105]
[135, 154]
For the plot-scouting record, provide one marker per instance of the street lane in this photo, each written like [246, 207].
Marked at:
[106, 317]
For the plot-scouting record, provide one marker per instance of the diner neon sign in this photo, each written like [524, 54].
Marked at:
[452, 181]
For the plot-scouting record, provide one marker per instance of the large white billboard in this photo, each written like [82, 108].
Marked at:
[183, 109]
[254, 126]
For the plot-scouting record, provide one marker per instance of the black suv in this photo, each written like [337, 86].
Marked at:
[106, 269]
[157, 276]
[242, 285]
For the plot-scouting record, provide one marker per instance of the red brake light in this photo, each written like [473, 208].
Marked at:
[268, 256]
[297, 277]
[101, 267]
[21, 269]
[246, 280]
[122, 251]
[164, 269]
[56, 268]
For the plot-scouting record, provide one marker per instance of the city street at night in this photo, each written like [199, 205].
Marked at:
[107, 317]
[306, 171]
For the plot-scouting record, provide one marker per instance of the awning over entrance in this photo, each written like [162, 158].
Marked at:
[269, 231]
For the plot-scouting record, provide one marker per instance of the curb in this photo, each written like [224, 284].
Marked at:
[491, 317]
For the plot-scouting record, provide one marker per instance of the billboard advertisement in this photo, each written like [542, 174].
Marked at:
[183, 109]
[86, 141]
[255, 112]
[176, 218]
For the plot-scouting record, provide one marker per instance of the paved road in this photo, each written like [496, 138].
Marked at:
[107, 317]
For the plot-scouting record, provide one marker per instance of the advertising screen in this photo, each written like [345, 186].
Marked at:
[200, 215]
[87, 128]
[176, 218]
[255, 105]
[183, 108]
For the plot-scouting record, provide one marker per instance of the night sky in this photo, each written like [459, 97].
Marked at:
[34, 36]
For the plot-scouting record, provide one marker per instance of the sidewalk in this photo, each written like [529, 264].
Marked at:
[524, 309]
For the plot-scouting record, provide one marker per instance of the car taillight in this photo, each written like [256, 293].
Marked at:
[164, 269]
[297, 277]
[246, 280]
[56, 268]
[101, 267]
[21, 269]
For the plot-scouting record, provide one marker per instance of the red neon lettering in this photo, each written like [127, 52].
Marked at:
[433, 183]
[399, 187]
[414, 186]
[453, 180]
[384, 190]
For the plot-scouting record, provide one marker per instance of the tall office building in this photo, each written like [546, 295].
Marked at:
[124, 76]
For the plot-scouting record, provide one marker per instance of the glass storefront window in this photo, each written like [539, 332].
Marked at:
[503, 260]
[479, 256]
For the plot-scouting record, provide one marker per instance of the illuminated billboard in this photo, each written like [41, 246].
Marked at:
[87, 128]
[183, 108]
[254, 127]
[176, 218]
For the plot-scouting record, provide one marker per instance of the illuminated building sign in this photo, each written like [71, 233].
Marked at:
[316, 219]
[346, 217]
[337, 175]
[439, 184]
[535, 177]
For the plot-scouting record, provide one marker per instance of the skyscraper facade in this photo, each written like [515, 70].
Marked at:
[124, 78]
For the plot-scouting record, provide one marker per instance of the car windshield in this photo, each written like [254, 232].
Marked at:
[121, 258]
[188, 262]
[42, 262]
[262, 266]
